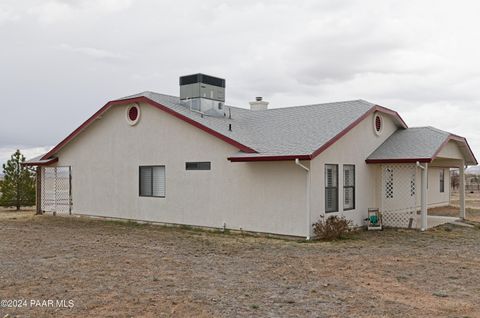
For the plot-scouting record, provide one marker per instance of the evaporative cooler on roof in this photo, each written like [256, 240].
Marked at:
[203, 93]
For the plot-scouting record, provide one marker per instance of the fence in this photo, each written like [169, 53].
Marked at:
[56, 189]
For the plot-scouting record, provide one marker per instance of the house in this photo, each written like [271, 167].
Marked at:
[194, 160]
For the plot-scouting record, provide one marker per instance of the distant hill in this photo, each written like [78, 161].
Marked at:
[473, 170]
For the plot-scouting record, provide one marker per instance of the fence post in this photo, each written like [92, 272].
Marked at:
[70, 189]
[38, 191]
[55, 192]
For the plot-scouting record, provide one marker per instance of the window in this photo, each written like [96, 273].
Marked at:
[348, 187]
[198, 165]
[442, 180]
[152, 181]
[331, 188]
[378, 124]
[133, 114]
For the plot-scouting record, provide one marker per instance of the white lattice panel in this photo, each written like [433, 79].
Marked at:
[399, 199]
[56, 189]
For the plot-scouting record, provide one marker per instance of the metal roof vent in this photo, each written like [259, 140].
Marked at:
[203, 93]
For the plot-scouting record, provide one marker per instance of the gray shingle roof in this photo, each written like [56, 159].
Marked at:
[419, 143]
[411, 143]
[37, 161]
[291, 132]
[298, 130]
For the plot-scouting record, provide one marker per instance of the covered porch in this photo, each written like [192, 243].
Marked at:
[427, 221]
[413, 174]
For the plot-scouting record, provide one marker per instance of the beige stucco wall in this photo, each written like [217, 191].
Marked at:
[435, 197]
[105, 158]
[265, 197]
[451, 151]
[353, 148]
[449, 154]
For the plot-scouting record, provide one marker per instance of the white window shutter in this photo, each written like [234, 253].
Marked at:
[158, 181]
[145, 181]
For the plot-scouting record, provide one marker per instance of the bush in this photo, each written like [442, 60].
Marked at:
[332, 228]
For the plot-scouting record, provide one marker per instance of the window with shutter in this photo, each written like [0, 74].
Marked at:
[158, 181]
[152, 181]
[331, 188]
[442, 180]
[348, 187]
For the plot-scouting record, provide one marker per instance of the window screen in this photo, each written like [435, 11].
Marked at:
[442, 180]
[331, 188]
[152, 181]
[348, 187]
[198, 165]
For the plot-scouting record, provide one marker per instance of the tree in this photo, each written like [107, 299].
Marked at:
[454, 180]
[18, 186]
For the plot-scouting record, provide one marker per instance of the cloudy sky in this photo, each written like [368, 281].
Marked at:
[61, 60]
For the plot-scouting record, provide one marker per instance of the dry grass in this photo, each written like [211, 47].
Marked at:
[472, 204]
[124, 269]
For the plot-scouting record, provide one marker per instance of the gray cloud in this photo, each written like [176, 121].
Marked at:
[62, 60]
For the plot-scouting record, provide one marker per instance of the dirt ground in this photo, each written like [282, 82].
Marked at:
[472, 204]
[109, 268]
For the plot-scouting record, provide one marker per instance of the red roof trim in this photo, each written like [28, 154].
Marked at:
[375, 108]
[229, 140]
[154, 104]
[269, 158]
[390, 112]
[428, 160]
[470, 150]
[455, 138]
[41, 162]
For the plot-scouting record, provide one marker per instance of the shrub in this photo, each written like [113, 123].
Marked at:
[332, 228]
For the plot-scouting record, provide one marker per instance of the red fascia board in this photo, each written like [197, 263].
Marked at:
[400, 160]
[229, 140]
[470, 150]
[427, 160]
[269, 158]
[455, 138]
[143, 99]
[392, 113]
[38, 163]
[375, 108]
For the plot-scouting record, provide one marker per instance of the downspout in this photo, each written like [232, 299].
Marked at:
[297, 162]
[424, 196]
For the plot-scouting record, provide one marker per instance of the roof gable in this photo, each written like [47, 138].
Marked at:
[276, 134]
[422, 144]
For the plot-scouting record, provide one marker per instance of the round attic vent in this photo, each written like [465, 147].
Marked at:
[378, 123]
[133, 114]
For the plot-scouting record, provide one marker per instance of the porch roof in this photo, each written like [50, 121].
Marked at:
[420, 144]
[38, 161]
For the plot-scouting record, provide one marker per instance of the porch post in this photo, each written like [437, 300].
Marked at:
[38, 191]
[462, 190]
[424, 197]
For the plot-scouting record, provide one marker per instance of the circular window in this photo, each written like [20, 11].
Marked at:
[378, 124]
[133, 114]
